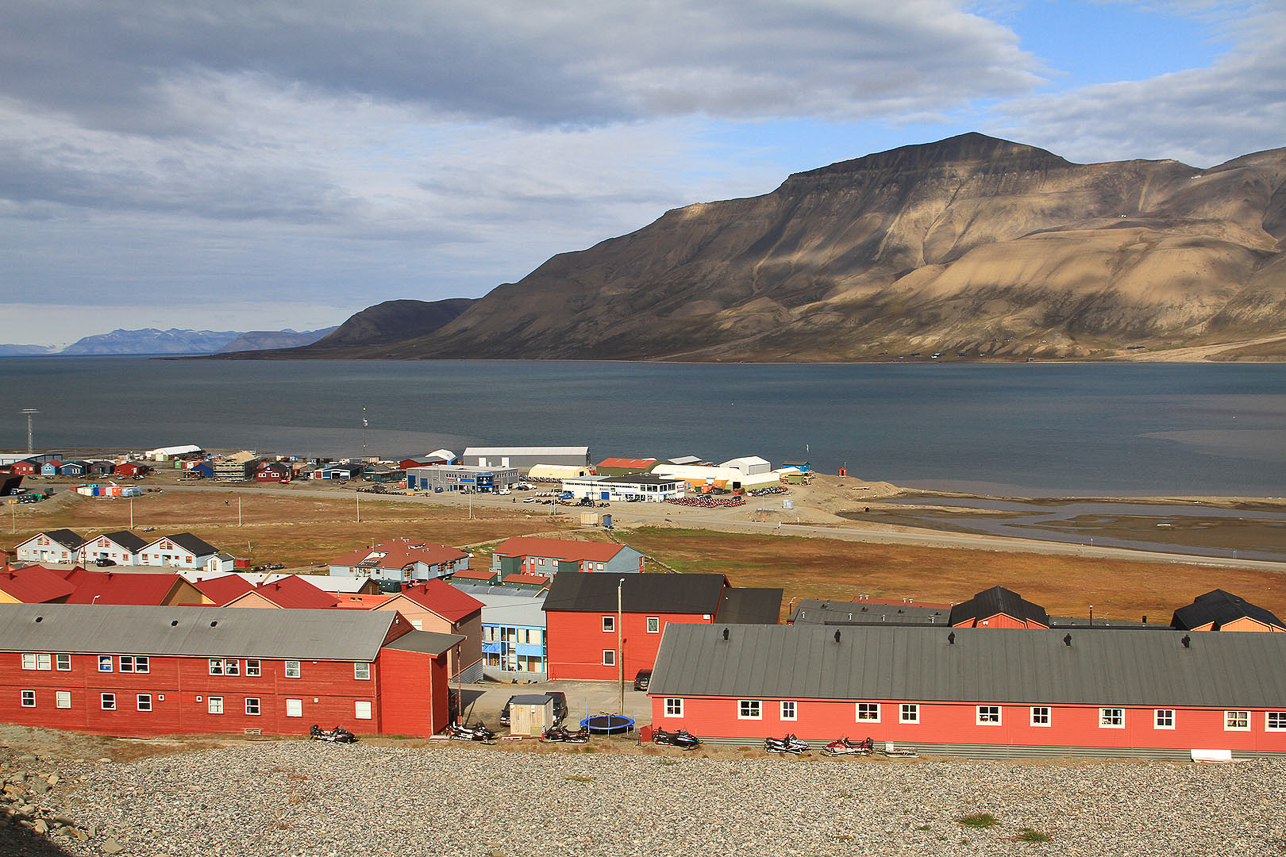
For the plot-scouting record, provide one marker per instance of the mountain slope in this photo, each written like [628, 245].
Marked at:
[152, 341]
[971, 245]
[262, 340]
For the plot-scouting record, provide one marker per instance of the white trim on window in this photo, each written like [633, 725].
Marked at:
[1275, 721]
[362, 672]
[63, 662]
[654, 624]
[1163, 718]
[28, 699]
[988, 715]
[673, 707]
[253, 707]
[750, 709]
[107, 701]
[909, 712]
[214, 704]
[789, 709]
[362, 709]
[1042, 715]
[1111, 718]
[609, 657]
[1236, 721]
[62, 699]
[609, 624]
[292, 669]
[294, 708]
[252, 667]
[143, 702]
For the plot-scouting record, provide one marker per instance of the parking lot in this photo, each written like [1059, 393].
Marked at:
[484, 700]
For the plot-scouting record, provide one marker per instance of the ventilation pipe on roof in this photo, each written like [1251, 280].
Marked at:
[1187, 641]
[837, 635]
[1067, 641]
[951, 638]
[725, 634]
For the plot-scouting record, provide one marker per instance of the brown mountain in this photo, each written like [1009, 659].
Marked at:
[970, 246]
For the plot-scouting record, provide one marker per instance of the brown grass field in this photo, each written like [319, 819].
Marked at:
[301, 531]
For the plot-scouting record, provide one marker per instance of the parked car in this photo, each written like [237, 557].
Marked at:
[103, 561]
[642, 680]
[560, 707]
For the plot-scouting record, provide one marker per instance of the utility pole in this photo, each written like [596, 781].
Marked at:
[30, 412]
[620, 659]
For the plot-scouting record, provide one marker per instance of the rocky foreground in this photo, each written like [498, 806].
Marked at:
[298, 798]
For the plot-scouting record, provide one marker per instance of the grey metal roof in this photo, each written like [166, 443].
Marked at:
[575, 591]
[748, 606]
[1221, 608]
[315, 635]
[984, 665]
[429, 642]
[813, 611]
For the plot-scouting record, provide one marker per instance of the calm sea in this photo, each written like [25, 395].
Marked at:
[1030, 429]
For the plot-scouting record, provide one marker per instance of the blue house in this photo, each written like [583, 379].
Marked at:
[51, 468]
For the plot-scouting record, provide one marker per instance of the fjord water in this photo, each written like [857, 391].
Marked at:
[1024, 429]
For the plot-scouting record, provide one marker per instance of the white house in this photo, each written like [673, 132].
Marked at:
[120, 547]
[58, 546]
[182, 550]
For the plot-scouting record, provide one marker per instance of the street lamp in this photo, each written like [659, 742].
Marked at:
[620, 660]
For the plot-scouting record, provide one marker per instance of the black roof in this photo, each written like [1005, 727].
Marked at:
[996, 600]
[812, 611]
[746, 606]
[126, 539]
[1220, 608]
[582, 592]
[66, 538]
[193, 544]
[426, 642]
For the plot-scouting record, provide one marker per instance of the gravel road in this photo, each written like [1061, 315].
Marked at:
[300, 798]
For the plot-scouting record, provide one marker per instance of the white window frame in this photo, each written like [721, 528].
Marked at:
[216, 666]
[909, 712]
[44, 661]
[104, 663]
[294, 708]
[214, 705]
[1275, 721]
[867, 712]
[62, 699]
[28, 660]
[1111, 718]
[363, 709]
[63, 662]
[107, 701]
[789, 709]
[231, 666]
[361, 671]
[1042, 716]
[1163, 718]
[609, 657]
[1236, 721]
[28, 699]
[750, 709]
[253, 702]
[136, 664]
[654, 624]
[609, 624]
[292, 669]
[252, 667]
[143, 701]
[988, 715]
[673, 706]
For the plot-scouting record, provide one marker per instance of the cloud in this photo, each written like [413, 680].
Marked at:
[1202, 116]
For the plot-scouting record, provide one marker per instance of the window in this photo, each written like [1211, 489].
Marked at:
[232, 666]
[294, 708]
[1275, 721]
[1040, 715]
[64, 662]
[28, 699]
[909, 712]
[216, 666]
[988, 715]
[654, 624]
[32, 661]
[144, 702]
[673, 707]
[107, 701]
[104, 663]
[362, 672]
[609, 623]
[362, 709]
[789, 710]
[749, 709]
[1163, 718]
[252, 706]
[62, 699]
[1236, 721]
[1111, 718]
[292, 669]
[134, 664]
[868, 712]
[609, 657]
[214, 705]
[252, 666]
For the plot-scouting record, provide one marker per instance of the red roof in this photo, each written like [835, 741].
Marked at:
[296, 593]
[121, 587]
[223, 589]
[398, 554]
[634, 463]
[362, 602]
[443, 599]
[535, 579]
[557, 548]
[471, 574]
[34, 585]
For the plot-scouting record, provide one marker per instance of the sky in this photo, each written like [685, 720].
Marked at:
[230, 165]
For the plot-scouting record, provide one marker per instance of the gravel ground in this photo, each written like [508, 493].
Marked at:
[300, 798]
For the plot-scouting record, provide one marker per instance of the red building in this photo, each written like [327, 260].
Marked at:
[967, 690]
[273, 471]
[581, 614]
[142, 671]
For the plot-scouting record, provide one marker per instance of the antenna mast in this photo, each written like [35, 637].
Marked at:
[29, 412]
